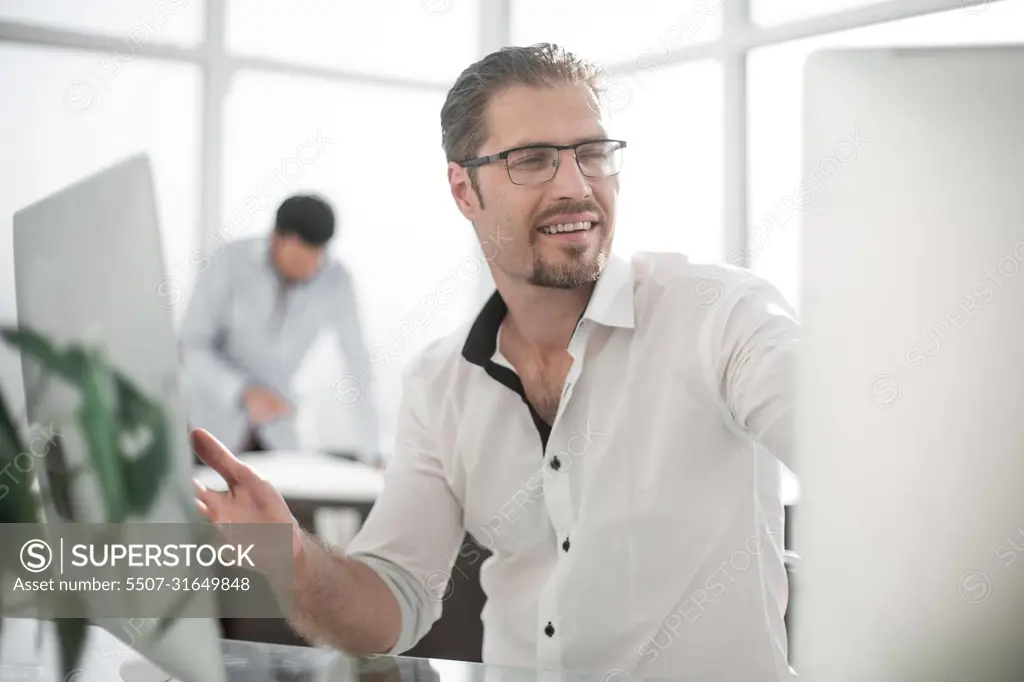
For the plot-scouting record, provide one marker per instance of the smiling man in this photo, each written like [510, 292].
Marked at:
[610, 429]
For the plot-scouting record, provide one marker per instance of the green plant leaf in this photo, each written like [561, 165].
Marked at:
[144, 473]
[36, 346]
[15, 497]
[97, 418]
[71, 633]
[111, 408]
[16, 504]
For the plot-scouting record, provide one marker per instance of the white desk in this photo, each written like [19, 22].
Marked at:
[317, 476]
[309, 477]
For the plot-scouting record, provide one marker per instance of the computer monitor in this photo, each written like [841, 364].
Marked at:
[88, 261]
[911, 388]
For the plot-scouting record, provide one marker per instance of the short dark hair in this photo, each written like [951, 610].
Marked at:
[463, 129]
[309, 217]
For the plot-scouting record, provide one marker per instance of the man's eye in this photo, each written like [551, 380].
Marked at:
[534, 160]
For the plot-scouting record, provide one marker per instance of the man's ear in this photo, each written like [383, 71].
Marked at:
[461, 186]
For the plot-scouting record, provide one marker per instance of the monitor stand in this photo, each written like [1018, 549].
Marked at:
[141, 670]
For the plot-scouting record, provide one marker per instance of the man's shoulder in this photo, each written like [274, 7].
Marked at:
[246, 250]
[440, 359]
[663, 267]
[439, 370]
[335, 273]
[676, 277]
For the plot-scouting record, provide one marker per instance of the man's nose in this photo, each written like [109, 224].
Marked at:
[569, 182]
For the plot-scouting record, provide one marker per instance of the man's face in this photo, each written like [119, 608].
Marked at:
[512, 220]
[294, 259]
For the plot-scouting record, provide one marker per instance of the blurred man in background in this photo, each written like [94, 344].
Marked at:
[256, 311]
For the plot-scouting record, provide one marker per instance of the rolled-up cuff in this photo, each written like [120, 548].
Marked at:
[418, 611]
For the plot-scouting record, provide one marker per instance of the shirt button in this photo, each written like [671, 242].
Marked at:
[549, 630]
[565, 545]
[556, 463]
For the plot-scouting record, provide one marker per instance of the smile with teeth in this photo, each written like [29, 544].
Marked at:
[567, 227]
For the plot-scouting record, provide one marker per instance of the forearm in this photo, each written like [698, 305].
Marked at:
[342, 602]
[207, 371]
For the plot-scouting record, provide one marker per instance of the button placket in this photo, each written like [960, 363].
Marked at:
[577, 346]
[557, 499]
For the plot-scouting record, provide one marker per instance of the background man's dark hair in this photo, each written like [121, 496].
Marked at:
[308, 217]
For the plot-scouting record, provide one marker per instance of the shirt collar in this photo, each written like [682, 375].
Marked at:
[611, 304]
[483, 335]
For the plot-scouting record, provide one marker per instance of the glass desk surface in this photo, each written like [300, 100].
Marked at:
[260, 662]
[28, 653]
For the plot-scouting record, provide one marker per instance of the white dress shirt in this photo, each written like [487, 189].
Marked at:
[641, 534]
[245, 327]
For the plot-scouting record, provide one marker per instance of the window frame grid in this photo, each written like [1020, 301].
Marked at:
[739, 36]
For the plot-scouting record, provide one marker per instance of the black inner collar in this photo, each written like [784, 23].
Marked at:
[479, 348]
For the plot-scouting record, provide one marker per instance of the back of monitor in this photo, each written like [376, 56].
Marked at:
[911, 389]
[87, 262]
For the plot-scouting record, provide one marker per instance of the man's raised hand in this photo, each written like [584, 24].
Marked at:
[249, 498]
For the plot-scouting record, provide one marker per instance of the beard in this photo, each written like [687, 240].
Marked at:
[579, 269]
[576, 266]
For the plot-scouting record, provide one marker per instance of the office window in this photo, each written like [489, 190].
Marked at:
[375, 153]
[775, 100]
[671, 180]
[612, 31]
[426, 39]
[773, 12]
[67, 125]
[152, 21]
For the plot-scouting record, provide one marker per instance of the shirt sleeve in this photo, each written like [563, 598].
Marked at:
[750, 352]
[205, 370]
[414, 530]
[349, 328]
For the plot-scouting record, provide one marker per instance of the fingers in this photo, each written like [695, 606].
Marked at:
[210, 503]
[213, 453]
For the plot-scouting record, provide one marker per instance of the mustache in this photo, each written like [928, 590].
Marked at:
[569, 207]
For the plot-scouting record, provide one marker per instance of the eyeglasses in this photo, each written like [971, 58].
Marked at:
[538, 163]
